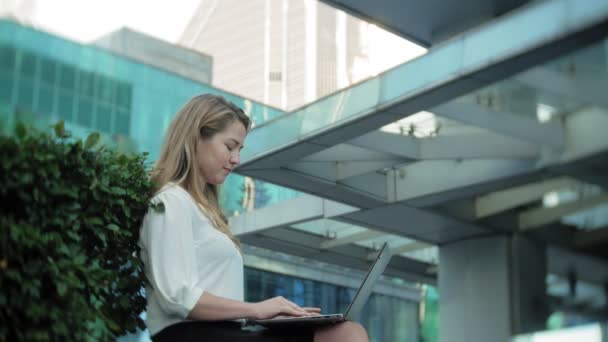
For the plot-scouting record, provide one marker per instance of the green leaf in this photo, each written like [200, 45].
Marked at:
[158, 208]
[61, 289]
[113, 227]
[91, 140]
[80, 259]
[118, 191]
[94, 221]
[112, 325]
[20, 130]
[59, 129]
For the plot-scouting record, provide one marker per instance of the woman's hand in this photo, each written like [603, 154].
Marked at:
[280, 306]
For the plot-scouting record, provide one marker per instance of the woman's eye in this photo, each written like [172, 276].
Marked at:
[229, 148]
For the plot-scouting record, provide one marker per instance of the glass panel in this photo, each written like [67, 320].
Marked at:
[86, 83]
[105, 88]
[274, 134]
[28, 64]
[550, 91]
[65, 106]
[84, 115]
[361, 97]
[7, 58]
[438, 64]
[386, 318]
[25, 94]
[104, 118]
[6, 89]
[46, 99]
[123, 95]
[48, 70]
[67, 77]
[123, 122]
[315, 115]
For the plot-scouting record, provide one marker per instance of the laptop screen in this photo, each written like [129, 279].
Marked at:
[365, 290]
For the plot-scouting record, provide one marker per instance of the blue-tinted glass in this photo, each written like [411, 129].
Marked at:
[48, 70]
[123, 95]
[150, 95]
[67, 77]
[105, 88]
[28, 64]
[122, 122]
[65, 105]
[84, 114]
[7, 58]
[104, 118]
[25, 94]
[6, 89]
[86, 83]
[46, 99]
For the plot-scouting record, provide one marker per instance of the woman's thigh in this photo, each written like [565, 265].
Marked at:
[227, 331]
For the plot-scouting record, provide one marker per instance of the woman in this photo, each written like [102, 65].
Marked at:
[191, 258]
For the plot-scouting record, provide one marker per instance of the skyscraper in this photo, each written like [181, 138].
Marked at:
[283, 53]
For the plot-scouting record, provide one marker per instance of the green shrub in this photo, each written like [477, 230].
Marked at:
[70, 223]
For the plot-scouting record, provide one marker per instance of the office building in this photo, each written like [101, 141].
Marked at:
[289, 53]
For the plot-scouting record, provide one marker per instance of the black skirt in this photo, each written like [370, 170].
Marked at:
[198, 331]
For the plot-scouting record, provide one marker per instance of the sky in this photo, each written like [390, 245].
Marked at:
[86, 20]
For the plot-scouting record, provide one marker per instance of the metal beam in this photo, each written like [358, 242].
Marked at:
[414, 223]
[411, 247]
[406, 248]
[437, 176]
[538, 217]
[529, 129]
[302, 244]
[563, 262]
[339, 170]
[395, 144]
[476, 145]
[426, 22]
[361, 236]
[591, 238]
[471, 145]
[499, 201]
[350, 153]
[576, 87]
[350, 191]
[299, 209]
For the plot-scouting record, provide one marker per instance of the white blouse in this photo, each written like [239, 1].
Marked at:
[184, 256]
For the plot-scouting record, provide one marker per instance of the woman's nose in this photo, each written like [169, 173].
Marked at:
[235, 158]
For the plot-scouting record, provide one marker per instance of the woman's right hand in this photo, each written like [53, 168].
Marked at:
[279, 306]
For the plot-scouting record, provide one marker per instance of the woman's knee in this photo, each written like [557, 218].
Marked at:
[346, 331]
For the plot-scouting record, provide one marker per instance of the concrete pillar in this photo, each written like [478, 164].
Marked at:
[491, 288]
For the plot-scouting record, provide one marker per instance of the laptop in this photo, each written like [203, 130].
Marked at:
[353, 310]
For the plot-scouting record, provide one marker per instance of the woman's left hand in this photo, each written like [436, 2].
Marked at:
[278, 306]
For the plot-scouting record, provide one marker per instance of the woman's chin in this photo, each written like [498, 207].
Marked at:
[218, 180]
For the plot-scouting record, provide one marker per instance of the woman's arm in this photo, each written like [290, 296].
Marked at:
[214, 308]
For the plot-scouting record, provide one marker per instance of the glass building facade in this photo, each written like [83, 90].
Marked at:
[386, 318]
[44, 78]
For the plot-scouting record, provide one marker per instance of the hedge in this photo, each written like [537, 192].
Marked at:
[70, 219]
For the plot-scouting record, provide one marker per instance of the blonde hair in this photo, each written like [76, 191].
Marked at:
[202, 117]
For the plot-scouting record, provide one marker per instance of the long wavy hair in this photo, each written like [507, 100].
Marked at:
[202, 117]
